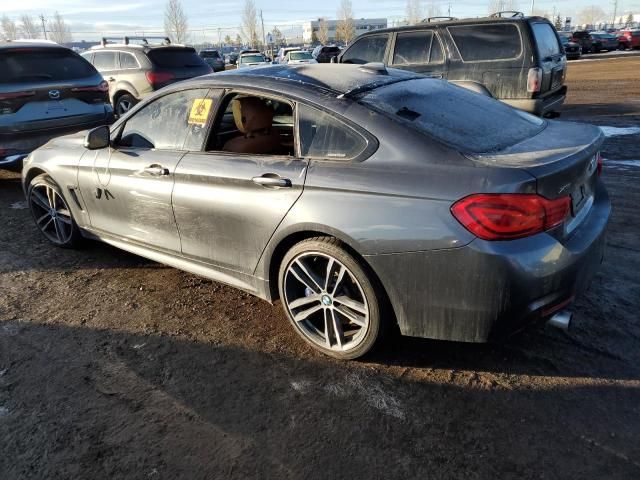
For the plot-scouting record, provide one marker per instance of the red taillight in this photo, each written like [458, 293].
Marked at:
[102, 87]
[534, 80]
[12, 95]
[599, 162]
[505, 216]
[158, 78]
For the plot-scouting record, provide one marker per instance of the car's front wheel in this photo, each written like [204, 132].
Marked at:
[124, 103]
[330, 299]
[51, 212]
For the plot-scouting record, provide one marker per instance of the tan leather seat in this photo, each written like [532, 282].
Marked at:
[255, 120]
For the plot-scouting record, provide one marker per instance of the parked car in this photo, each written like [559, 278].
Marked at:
[212, 58]
[251, 60]
[572, 50]
[324, 53]
[46, 90]
[233, 58]
[386, 199]
[518, 60]
[584, 39]
[282, 53]
[633, 37]
[298, 57]
[133, 71]
[604, 41]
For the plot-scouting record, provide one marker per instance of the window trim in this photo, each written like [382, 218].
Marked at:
[455, 44]
[118, 127]
[434, 34]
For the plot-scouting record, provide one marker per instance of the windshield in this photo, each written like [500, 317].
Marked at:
[33, 65]
[251, 58]
[300, 56]
[456, 116]
[209, 54]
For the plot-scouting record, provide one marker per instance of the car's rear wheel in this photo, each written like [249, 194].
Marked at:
[51, 212]
[330, 299]
[124, 103]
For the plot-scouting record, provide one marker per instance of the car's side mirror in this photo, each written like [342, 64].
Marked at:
[98, 138]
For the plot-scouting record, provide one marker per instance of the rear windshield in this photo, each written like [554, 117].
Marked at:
[546, 39]
[175, 58]
[458, 117]
[300, 56]
[330, 50]
[486, 42]
[210, 54]
[251, 58]
[30, 65]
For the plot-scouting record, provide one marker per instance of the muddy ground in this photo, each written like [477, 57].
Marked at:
[112, 366]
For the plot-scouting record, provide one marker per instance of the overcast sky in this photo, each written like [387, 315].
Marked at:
[89, 18]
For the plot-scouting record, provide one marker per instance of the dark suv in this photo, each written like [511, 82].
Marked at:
[324, 53]
[45, 91]
[136, 70]
[518, 60]
[212, 58]
[584, 39]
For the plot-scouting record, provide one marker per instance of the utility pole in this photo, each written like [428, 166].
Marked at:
[615, 12]
[533, 6]
[449, 10]
[262, 22]
[44, 30]
[219, 38]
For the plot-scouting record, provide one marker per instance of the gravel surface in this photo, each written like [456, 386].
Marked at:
[112, 366]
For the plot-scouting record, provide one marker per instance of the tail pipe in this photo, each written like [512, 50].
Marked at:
[561, 320]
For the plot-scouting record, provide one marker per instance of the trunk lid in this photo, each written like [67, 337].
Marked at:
[563, 160]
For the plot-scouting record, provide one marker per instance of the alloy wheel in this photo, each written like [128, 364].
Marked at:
[123, 106]
[326, 301]
[51, 213]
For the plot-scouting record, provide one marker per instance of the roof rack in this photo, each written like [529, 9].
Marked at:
[438, 19]
[127, 40]
[507, 14]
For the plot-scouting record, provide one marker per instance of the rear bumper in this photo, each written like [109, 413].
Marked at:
[486, 289]
[542, 105]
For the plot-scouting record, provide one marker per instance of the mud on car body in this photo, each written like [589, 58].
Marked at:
[360, 196]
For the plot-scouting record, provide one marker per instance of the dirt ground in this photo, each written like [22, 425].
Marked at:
[112, 366]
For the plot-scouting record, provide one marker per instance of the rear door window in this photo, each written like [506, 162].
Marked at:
[367, 49]
[128, 60]
[175, 58]
[420, 47]
[324, 136]
[546, 39]
[487, 42]
[42, 65]
[104, 61]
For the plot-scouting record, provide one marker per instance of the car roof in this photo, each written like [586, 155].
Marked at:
[30, 44]
[457, 21]
[341, 79]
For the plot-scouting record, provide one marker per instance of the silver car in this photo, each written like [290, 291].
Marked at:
[364, 198]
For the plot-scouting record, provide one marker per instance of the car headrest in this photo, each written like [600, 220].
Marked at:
[251, 114]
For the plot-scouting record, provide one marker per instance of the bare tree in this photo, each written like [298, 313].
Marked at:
[277, 36]
[175, 22]
[9, 28]
[238, 41]
[433, 9]
[249, 27]
[592, 15]
[345, 29]
[59, 30]
[503, 6]
[414, 11]
[28, 27]
[323, 32]
[627, 24]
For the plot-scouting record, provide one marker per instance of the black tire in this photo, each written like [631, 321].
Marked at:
[60, 229]
[123, 104]
[331, 248]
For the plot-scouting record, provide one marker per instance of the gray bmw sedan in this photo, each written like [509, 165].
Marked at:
[364, 198]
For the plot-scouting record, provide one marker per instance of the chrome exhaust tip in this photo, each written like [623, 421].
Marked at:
[561, 320]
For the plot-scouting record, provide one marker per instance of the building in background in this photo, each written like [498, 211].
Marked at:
[362, 25]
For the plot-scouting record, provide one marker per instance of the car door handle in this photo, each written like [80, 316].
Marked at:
[157, 170]
[272, 180]
[111, 79]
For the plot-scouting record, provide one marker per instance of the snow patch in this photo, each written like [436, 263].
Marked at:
[619, 131]
[301, 385]
[19, 205]
[4, 411]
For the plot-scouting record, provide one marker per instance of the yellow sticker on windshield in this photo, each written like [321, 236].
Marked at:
[200, 109]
